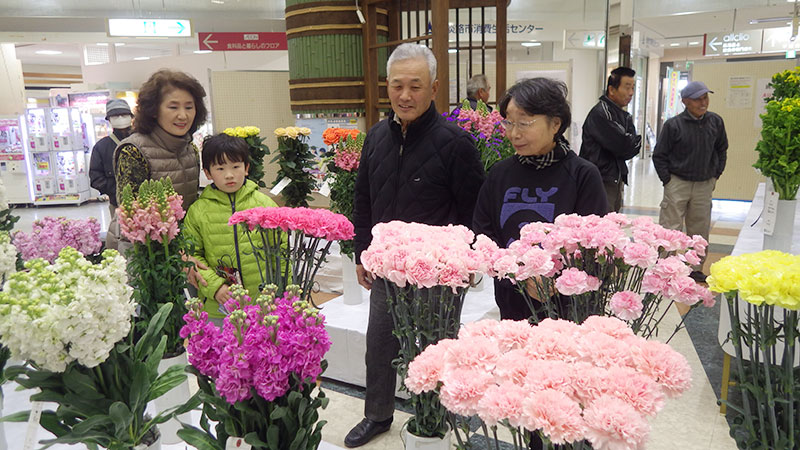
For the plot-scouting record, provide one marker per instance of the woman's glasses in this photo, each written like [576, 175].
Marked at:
[508, 125]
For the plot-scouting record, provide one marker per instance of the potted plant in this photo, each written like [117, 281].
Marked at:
[150, 220]
[486, 129]
[573, 385]
[602, 265]
[258, 150]
[341, 173]
[427, 271]
[258, 375]
[765, 336]
[294, 181]
[98, 372]
[50, 234]
[290, 244]
[779, 154]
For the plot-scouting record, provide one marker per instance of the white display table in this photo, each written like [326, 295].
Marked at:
[347, 327]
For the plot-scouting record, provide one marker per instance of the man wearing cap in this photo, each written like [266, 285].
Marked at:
[689, 157]
[101, 166]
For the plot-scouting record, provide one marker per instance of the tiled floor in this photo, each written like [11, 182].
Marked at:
[690, 422]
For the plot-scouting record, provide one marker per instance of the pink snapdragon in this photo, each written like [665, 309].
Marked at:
[600, 386]
[50, 235]
[153, 215]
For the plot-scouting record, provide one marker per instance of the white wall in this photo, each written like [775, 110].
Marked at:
[586, 86]
[137, 72]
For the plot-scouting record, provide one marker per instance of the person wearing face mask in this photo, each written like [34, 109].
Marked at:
[170, 108]
[101, 165]
[609, 135]
[541, 181]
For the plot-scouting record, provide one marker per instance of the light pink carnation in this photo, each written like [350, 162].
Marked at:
[501, 402]
[638, 390]
[664, 365]
[627, 305]
[639, 254]
[575, 282]
[555, 414]
[463, 389]
[613, 424]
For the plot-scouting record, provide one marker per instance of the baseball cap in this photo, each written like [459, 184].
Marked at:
[695, 89]
[116, 107]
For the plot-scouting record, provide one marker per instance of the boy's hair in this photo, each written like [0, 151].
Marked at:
[221, 148]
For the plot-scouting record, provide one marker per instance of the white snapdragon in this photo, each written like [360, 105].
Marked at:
[3, 198]
[68, 311]
[8, 255]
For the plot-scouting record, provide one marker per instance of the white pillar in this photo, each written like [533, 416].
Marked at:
[12, 87]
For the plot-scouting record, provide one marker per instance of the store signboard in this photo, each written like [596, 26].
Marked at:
[150, 27]
[242, 41]
[735, 43]
[582, 39]
[778, 40]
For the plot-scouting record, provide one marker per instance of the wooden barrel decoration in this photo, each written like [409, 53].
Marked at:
[326, 63]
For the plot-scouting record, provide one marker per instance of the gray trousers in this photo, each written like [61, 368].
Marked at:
[382, 348]
[687, 206]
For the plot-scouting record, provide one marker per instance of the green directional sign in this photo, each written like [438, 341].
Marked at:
[150, 27]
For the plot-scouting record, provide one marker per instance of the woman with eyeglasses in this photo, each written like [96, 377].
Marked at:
[542, 180]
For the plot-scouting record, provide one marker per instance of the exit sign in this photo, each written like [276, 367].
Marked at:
[150, 27]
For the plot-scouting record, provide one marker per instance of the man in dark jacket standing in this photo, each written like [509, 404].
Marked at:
[690, 156]
[415, 167]
[609, 136]
[101, 165]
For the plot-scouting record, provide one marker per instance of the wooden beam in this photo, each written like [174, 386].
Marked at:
[403, 41]
[440, 31]
[501, 53]
[370, 39]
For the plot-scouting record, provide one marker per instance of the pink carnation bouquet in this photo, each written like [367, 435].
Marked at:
[341, 170]
[50, 235]
[290, 244]
[595, 382]
[427, 271]
[607, 265]
[258, 373]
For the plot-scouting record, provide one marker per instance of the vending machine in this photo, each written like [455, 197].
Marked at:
[58, 143]
[13, 170]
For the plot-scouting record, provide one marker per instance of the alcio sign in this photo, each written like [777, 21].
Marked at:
[735, 43]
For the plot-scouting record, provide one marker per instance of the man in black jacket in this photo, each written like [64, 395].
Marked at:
[415, 167]
[609, 136]
[101, 165]
[689, 158]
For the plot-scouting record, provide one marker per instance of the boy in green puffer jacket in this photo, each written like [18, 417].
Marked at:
[224, 249]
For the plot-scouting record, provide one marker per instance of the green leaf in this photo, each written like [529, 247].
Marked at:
[139, 386]
[273, 436]
[21, 416]
[168, 380]
[86, 426]
[299, 440]
[153, 333]
[278, 413]
[52, 423]
[252, 439]
[200, 439]
[155, 357]
[122, 418]
[80, 383]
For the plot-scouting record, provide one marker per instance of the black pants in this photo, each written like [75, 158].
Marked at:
[382, 348]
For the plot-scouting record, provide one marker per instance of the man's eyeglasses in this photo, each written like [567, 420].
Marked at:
[507, 124]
